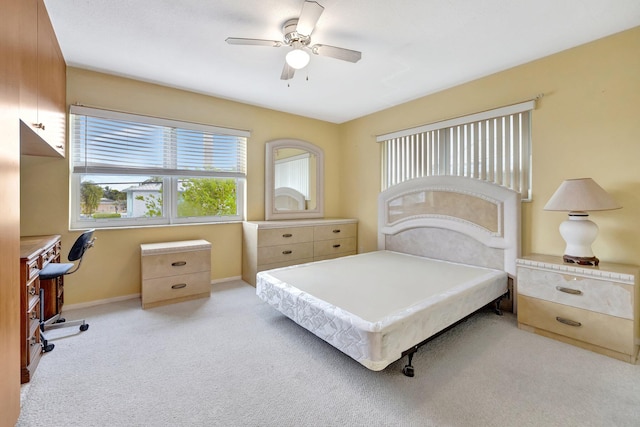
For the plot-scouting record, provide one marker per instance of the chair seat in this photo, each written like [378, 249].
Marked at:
[55, 269]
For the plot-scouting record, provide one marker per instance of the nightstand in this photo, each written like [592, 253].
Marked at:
[596, 308]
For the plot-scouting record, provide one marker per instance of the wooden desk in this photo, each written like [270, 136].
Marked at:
[35, 253]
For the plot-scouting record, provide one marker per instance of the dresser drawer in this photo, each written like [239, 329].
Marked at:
[583, 325]
[173, 264]
[287, 263]
[337, 231]
[284, 236]
[284, 253]
[606, 297]
[325, 248]
[175, 287]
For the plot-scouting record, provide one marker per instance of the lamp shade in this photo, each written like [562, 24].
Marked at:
[581, 195]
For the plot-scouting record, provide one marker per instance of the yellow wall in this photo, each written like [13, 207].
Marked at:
[587, 124]
[112, 267]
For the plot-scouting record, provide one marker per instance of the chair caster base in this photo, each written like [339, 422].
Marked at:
[47, 348]
[84, 327]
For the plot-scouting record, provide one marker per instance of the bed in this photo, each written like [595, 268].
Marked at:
[447, 247]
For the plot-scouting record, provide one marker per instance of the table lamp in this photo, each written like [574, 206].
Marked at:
[579, 196]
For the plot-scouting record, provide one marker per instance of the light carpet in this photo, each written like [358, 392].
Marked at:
[232, 360]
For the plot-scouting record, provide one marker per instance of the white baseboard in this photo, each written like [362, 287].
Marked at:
[131, 296]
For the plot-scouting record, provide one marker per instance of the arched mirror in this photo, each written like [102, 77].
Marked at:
[294, 176]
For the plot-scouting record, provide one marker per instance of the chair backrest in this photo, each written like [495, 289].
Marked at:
[82, 243]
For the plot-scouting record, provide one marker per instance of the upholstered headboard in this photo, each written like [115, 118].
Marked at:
[454, 219]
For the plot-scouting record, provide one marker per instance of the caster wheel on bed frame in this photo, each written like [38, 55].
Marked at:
[408, 371]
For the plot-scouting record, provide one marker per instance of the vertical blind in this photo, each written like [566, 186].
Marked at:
[112, 142]
[492, 146]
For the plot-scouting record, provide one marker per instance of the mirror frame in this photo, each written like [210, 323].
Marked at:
[270, 212]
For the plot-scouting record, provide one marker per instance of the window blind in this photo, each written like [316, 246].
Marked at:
[493, 146]
[112, 142]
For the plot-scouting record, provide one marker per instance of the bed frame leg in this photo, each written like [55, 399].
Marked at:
[408, 368]
[497, 302]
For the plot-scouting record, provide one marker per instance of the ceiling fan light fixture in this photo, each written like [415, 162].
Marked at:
[297, 58]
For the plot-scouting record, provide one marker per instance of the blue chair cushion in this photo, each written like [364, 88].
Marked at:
[55, 269]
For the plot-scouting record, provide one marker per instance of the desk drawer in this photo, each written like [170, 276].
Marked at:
[174, 264]
[595, 328]
[325, 248]
[284, 253]
[284, 236]
[176, 287]
[602, 296]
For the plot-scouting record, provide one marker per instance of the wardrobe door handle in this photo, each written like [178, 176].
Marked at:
[569, 290]
[568, 321]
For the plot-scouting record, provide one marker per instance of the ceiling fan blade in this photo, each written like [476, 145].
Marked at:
[336, 52]
[309, 16]
[287, 72]
[253, 42]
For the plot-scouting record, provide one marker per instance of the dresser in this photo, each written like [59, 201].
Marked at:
[35, 253]
[175, 271]
[273, 244]
[597, 308]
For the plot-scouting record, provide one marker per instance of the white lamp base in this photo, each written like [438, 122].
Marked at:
[579, 233]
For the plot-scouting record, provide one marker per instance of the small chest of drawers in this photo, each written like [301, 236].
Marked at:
[175, 271]
[274, 244]
[597, 308]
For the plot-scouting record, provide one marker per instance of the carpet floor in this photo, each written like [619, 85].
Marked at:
[232, 360]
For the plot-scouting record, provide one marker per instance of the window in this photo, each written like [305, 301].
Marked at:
[132, 170]
[493, 146]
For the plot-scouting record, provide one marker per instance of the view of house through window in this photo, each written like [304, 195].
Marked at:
[137, 170]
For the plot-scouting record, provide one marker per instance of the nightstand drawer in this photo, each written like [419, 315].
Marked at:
[284, 236]
[175, 288]
[606, 297]
[174, 264]
[583, 325]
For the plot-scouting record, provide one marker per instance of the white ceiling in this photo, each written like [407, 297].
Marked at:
[410, 48]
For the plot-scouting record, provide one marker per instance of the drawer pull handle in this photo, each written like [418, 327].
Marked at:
[287, 235]
[337, 230]
[569, 290]
[179, 286]
[287, 252]
[336, 246]
[568, 322]
[179, 263]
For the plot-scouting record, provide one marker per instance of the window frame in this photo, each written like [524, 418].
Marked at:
[170, 179]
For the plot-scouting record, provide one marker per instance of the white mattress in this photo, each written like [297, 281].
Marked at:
[376, 305]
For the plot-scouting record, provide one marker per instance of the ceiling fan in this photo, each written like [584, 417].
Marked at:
[297, 35]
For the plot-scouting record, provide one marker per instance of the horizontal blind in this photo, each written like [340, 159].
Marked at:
[113, 142]
[485, 146]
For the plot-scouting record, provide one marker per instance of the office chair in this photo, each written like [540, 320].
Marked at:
[54, 270]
